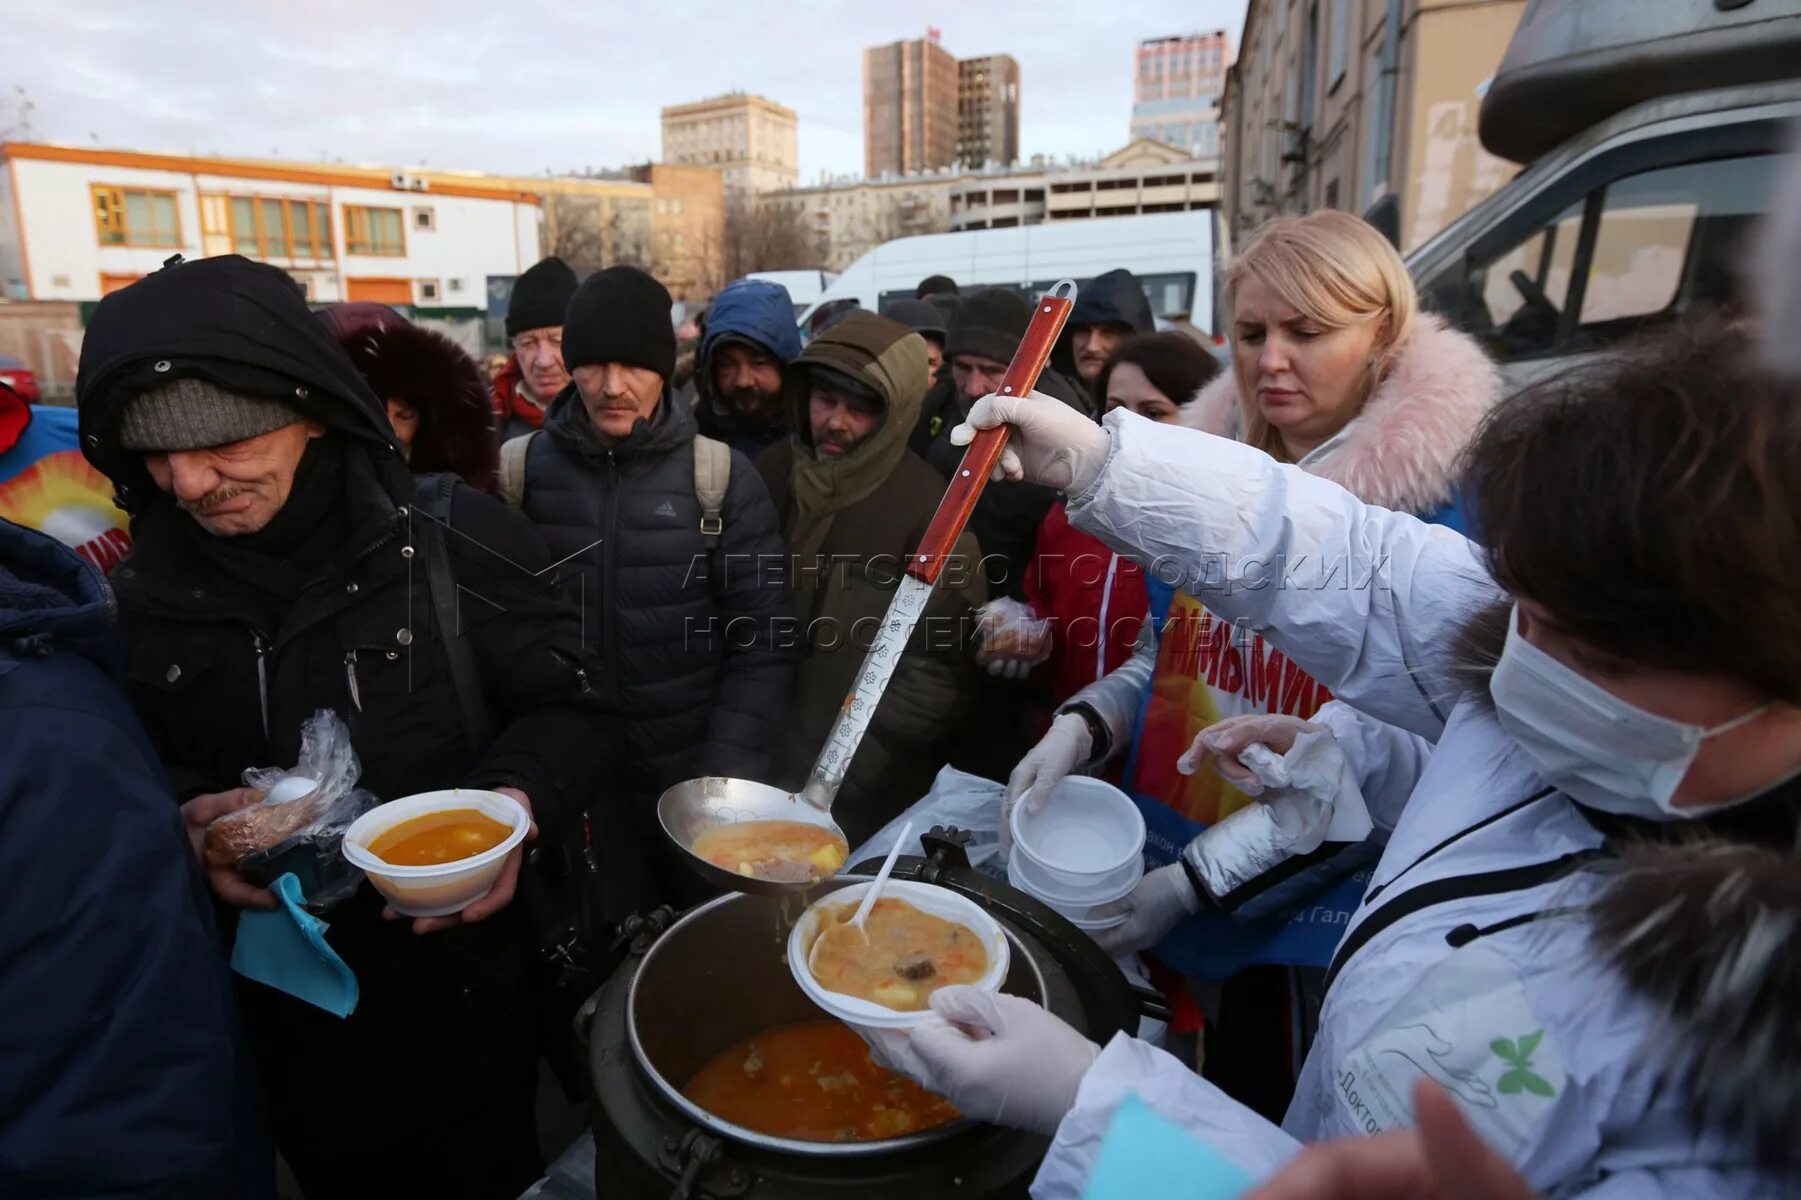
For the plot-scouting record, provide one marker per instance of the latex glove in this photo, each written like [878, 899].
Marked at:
[1441, 1158]
[1156, 906]
[1001, 1059]
[498, 897]
[1064, 747]
[1226, 740]
[227, 884]
[1051, 442]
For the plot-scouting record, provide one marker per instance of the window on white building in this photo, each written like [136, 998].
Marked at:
[428, 291]
[425, 219]
[132, 217]
[374, 231]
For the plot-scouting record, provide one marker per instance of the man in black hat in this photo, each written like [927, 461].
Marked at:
[679, 541]
[535, 372]
[286, 562]
[928, 321]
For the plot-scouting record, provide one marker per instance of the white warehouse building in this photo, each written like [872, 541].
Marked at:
[78, 222]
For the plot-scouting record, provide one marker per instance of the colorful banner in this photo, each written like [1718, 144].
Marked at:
[1207, 671]
[47, 485]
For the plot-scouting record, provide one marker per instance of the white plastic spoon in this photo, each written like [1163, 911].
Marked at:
[869, 897]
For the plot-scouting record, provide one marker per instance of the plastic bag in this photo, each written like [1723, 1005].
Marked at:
[299, 824]
[1013, 638]
[966, 801]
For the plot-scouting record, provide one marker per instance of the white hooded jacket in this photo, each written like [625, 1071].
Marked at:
[1473, 962]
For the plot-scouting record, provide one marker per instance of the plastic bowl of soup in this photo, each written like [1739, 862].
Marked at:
[906, 999]
[436, 853]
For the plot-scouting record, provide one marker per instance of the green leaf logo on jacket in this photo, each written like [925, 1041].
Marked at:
[1520, 1077]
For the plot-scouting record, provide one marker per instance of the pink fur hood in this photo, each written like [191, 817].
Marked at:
[1401, 451]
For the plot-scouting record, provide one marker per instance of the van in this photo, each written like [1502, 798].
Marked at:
[1173, 255]
[1653, 134]
[804, 287]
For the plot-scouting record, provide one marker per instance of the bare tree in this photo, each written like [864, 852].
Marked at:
[767, 235]
[589, 232]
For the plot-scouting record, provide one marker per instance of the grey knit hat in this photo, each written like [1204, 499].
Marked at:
[192, 414]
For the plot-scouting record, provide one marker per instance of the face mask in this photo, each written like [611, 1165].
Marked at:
[1590, 744]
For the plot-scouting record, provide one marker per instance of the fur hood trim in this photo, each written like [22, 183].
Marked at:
[1709, 933]
[1402, 451]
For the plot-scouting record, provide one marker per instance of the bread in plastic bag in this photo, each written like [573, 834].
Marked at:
[1013, 638]
[304, 812]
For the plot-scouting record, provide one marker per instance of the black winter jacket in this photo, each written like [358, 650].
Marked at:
[690, 642]
[123, 1070]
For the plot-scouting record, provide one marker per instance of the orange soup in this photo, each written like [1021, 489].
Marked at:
[779, 851]
[907, 955]
[814, 1082]
[439, 837]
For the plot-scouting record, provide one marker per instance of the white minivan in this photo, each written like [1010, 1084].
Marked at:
[1173, 255]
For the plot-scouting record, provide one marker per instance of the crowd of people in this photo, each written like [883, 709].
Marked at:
[1559, 715]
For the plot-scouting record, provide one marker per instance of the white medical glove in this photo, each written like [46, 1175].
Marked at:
[1156, 906]
[1064, 747]
[1001, 1059]
[1051, 442]
[1226, 740]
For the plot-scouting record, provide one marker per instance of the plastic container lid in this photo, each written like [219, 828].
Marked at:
[939, 902]
[437, 889]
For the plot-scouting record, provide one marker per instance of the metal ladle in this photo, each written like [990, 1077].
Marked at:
[689, 809]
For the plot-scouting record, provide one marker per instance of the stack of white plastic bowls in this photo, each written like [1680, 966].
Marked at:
[1083, 849]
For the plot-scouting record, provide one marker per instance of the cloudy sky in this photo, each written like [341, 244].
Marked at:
[528, 85]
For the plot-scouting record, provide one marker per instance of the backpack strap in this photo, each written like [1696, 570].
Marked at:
[512, 467]
[432, 499]
[712, 478]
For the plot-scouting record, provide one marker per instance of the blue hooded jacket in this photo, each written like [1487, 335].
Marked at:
[123, 1070]
[752, 310]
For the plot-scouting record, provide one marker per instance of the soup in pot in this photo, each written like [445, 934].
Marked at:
[779, 851]
[439, 837]
[814, 1082]
[900, 956]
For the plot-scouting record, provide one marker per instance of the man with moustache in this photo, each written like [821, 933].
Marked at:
[677, 596]
[751, 337]
[854, 503]
[1109, 309]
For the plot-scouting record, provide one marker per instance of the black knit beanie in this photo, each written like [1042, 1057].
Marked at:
[540, 296]
[620, 315]
[991, 323]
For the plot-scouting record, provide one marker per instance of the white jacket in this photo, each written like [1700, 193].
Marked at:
[1548, 1052]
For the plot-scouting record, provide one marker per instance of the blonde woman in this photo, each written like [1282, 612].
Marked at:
[1335, 370]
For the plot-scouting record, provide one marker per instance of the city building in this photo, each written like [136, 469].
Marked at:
[850, 217]
[1364, 105]
[687, 228]
[1143, 177]
[77, 222]
[751, 141]
[988, 111]
[910, 120]
[591, 221]
[1176, 87]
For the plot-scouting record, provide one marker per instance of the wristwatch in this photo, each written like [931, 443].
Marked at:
[1100, 737]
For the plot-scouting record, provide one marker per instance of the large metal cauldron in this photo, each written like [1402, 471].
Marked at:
[719, 974]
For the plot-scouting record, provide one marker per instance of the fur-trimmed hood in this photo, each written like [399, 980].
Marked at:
[434, 375]
[1708, 932]
[1402, 450]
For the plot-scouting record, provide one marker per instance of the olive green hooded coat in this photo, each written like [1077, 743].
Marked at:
[849, 524]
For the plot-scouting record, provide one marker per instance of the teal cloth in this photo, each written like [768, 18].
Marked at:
[1144, 1155]
[285, 949]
